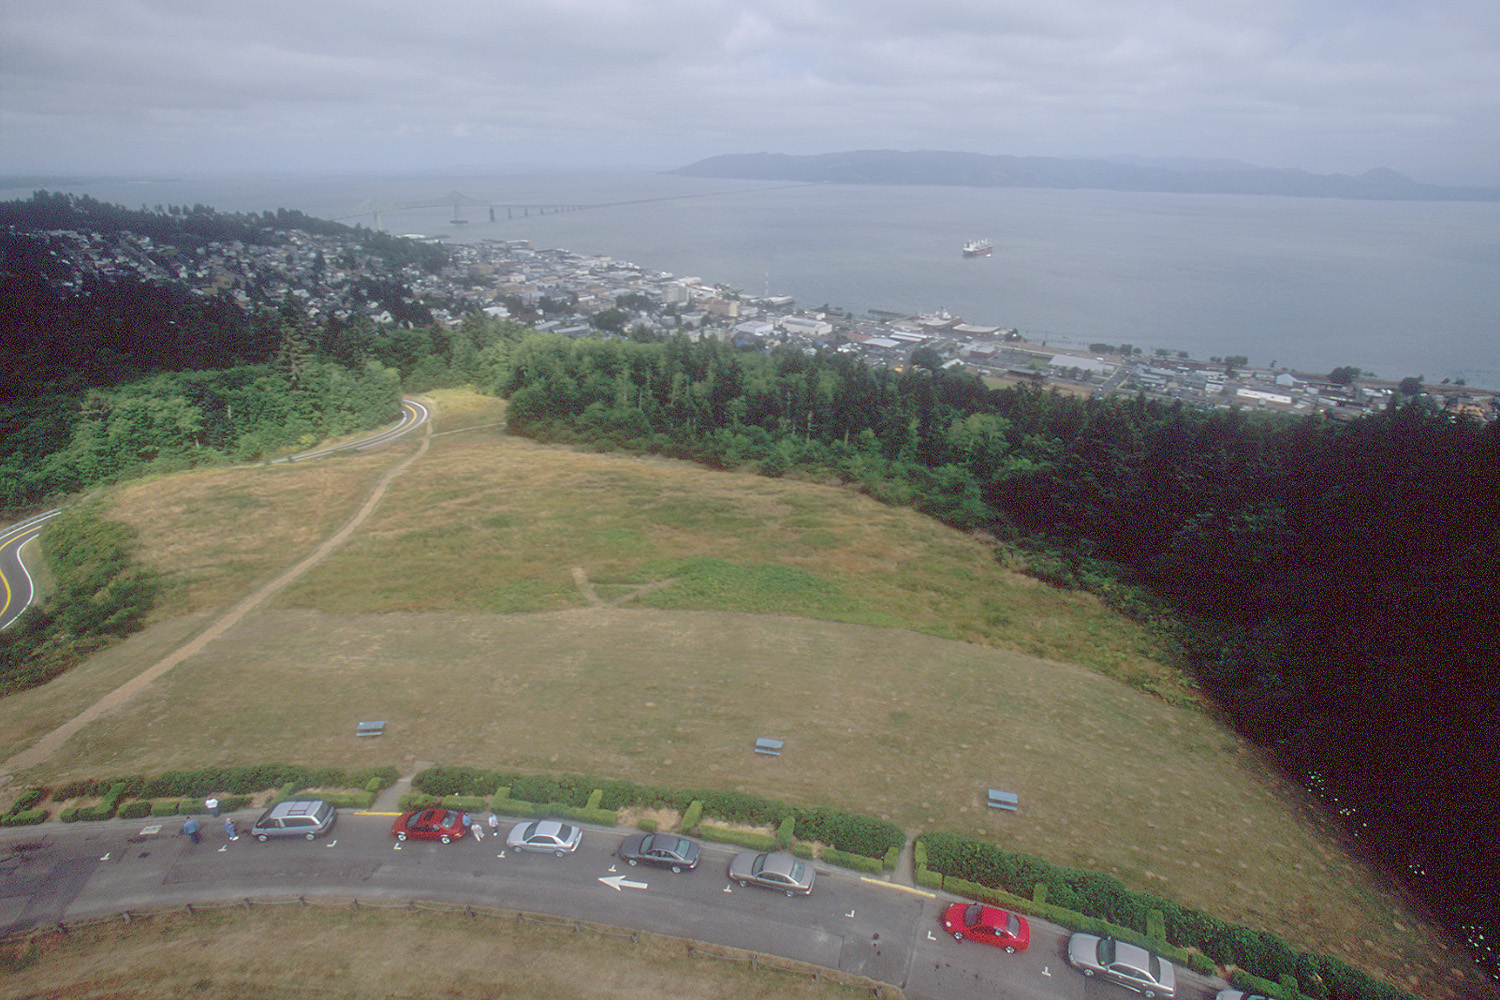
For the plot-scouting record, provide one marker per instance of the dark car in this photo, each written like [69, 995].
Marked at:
[976, 922]
[431, 824]
[1128, 965]
[664, 850]
[772, 871]
[307, 818]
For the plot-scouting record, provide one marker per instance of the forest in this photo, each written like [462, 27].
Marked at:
[1332, 585]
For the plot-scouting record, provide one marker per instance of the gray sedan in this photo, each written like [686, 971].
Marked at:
[773, 871]
[1128, 965]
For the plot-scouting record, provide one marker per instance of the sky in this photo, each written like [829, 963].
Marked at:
[333, 86]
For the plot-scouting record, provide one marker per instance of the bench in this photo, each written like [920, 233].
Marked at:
[1004, 800]
[768, 746]
[370, 728]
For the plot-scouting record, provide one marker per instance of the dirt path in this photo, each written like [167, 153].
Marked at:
[43, 748]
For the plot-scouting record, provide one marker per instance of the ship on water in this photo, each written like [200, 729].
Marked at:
[978, 248]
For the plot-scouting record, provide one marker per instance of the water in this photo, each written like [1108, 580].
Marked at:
[1396, 288]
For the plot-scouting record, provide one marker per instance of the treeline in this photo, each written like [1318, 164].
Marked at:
[294, 383]
[1333, 585]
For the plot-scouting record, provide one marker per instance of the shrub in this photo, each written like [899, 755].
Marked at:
[741, 807]
[165, 807]
[784, 832]
[23, 817]
[858, 862]
[850, 831]
[804, 850]
[691, 817]
[135, 810]
[646, 823]
[416, 800]
[928, 878]
[463, 803]
[1202, 964]
[30, 799]
[742, 838]
[595, 797]
[892, 858]
[348, 800]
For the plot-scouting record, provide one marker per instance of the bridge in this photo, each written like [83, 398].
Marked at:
[376, 208]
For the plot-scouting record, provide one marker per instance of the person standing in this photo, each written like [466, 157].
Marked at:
[229, 828]
[190, 827]
[212, 804]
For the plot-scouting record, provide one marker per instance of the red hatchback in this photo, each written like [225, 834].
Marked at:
[974, 922]
[431, 824]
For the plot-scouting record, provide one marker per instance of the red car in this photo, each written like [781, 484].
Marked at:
[974, 922]
[431, 824]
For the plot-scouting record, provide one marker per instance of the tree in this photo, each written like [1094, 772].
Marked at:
[1344, 375]
[1412, 385]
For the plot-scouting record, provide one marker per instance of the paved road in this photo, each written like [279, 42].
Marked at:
[854, 924]
[16, 588]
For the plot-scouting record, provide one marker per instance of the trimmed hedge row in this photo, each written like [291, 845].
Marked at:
[1066, 896]
[740, 838]
[847, 832]
[24, 811]
[232, 780]
[104, 810]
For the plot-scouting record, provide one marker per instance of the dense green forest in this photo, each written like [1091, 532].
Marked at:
[1332, 585]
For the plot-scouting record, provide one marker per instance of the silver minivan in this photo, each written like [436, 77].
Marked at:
[306, 818]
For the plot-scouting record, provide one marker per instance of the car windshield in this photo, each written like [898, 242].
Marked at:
[1155, 968]
[448, 818]
[1106, 951]
[1013, 925]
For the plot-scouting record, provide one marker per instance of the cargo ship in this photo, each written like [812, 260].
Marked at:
[978, 248]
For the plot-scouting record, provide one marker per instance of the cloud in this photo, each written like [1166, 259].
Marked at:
[171, 84]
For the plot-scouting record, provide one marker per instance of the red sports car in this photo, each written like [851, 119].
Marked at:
[431, 824]
[974, 922]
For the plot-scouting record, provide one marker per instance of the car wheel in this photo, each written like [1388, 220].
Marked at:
[1010, 949]
[310, 836]
[1148, 994]
[632, 862]
[447, 839]
[400, 836]
[742, 882]
[789, 892]
[957, 936]
[1089, 973]
[262, 837]
[677, 869]
[559, 853]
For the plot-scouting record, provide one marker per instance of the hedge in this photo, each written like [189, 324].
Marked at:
[844, 859]
[135, 810]
[1100, 904]
[24, 817]
[741, 838]
[691, 817]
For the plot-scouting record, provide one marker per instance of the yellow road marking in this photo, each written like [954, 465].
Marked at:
[897, 885]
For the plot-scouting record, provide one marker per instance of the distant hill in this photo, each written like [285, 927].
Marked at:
[886, 166]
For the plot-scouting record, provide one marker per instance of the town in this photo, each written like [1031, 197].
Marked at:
[556, 290]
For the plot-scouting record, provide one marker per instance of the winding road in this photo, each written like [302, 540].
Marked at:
[17, 590]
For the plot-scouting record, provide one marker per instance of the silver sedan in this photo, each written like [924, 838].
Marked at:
[773, 871]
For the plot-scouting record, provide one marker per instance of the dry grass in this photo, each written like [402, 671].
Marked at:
[455, 615]
[370, 954]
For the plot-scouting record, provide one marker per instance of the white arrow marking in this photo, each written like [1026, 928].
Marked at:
[1046, 971]
[224, 848]
[620, 881]
[931, 936]
[849, 914]
[611, 867]
[106, 857]
[398, 847]
[728, 888]
[331, 842]
[500, 855]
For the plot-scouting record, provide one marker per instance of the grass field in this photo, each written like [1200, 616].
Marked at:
[511, 605]
[373, 955]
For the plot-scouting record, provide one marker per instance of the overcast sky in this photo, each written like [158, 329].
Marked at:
[187, 86]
